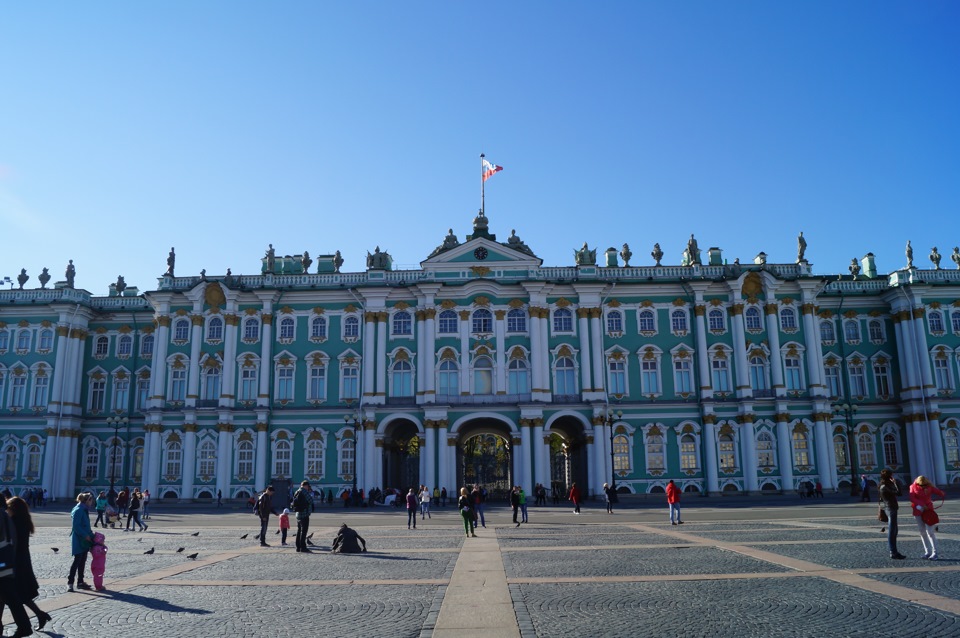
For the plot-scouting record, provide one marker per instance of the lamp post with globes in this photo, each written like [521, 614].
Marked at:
[354, 419]
[115, 422]
[611, 417]
[848, 411]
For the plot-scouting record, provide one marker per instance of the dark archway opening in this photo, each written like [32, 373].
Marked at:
[401, 456]
[568, 458]
[485, 458]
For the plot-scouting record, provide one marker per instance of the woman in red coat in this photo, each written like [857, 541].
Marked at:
[575, 497]
[920, 497]
[673, 502]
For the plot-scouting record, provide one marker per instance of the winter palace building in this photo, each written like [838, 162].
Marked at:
[484, 366]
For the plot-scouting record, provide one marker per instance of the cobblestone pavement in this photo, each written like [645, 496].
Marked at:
[810, 571]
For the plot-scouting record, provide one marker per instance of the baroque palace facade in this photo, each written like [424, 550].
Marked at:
[484, 366]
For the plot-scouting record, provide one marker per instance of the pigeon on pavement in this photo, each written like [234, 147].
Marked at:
[150, 551]
[192, 556]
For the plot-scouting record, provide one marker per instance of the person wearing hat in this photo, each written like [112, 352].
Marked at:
[303, 505]
[284, 525]
[264, 510]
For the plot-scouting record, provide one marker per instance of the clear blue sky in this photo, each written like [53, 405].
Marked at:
[219, 127]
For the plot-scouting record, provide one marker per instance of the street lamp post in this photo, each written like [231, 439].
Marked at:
[847, 411]
[115, 422]
[612, 417]
[353, 419]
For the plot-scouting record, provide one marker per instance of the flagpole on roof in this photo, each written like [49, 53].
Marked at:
[482, 181]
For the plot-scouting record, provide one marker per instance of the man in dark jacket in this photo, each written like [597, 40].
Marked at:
[264, 510]
[515, 503]
[346, 541]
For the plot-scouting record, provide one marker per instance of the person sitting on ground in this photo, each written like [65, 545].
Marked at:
[345, 541]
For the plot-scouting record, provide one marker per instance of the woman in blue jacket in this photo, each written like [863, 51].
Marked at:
[81, 539]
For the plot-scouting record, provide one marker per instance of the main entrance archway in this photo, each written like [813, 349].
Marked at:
[401, 456]
[485, 458]
[568, 457]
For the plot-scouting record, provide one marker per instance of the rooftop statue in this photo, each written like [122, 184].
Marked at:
[480, 222]
[121, 285]
[625, 255]
[378, 260]
[271, 258]
[657, 254]
[801, 248]
[854, 268]
[935, 258]
[70, 274]
[909, 255]
[337, 261]
[171, 262]
[585, 256]
[955, 257]
[305, 261]
[23, 277]
[450, 241]
[514, 242]
[693, 251]
[44, 277]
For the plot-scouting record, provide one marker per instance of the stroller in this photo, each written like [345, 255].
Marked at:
[113, 516]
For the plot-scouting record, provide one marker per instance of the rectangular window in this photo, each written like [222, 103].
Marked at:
[41, 386]
[858, 382]
[682, 379]
[881, 376]
[178, 385]
[941, 374]
[721, 382]
[688, 453]
[800, 454]
[285, 384]
[248, 384]
[655, 453]
[832, 377]
[318, 384]
[727, 457]
[98, 391]
[351, 387]
[143, 392]
[649, 377]
[794, 380]
[764, 451]
[618, 381]
[121, 392]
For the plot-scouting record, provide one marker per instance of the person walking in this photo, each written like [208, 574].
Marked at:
[479, 497]
[145, 504]
[574, 496]
[411, 509]
[464, 503]
[102, 502]
[303, 506]
[609, 496]
[123, 499]
[425, 503]
[515, 503]
[673, 502]
[81, 539]
[523, 506]
[219, 498]
[134, 514]
[443, 497]
[864, 489]
[25, 581]
[921, 493]
[264, 511]
[889, 491]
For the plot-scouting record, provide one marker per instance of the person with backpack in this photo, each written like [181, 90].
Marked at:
[264, 510]
[303, 506]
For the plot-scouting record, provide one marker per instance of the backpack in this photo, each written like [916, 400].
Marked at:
[300, 503]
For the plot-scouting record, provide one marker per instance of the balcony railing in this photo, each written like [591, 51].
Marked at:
[482, 399]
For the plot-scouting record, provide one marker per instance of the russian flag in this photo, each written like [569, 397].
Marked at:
[489, 169]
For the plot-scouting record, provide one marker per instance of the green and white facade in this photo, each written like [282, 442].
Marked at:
[483, 363]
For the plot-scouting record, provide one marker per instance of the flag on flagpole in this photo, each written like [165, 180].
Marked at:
[489, 169]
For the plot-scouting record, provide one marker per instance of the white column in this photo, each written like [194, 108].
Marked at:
[50, 463]
[536, 357]
[500, 329]
[73, 454]
[464, 351]
[824, 443]
[193, 371]
[583, 325]
[369, 457]
[540, 456]
[442, 466]
[189, 452]
[64, 463]
[921, 349]
[263, 447]
[158, 366]
[421, 385]
[545, 354]
[382, 319]
[377, 465]
[594, 468]
[749, 441]
[596, 345]
[526, 476]
[517, 453]
[60, 372]
[785, 452]
[773, 338]
[741, 367]
[369, 354]
[601, 438]
[713, 482]
[229, 381]
[223, 457]
[705, 386]
[152, 480]
[906, 360]
[814, 364]
[430, 452]
[936, 448]
[266, 365]
[428, 359]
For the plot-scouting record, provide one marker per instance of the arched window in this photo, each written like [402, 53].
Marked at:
[752, 319]
[318, 328]
[41, 387]
[678, 321]
[764, 450]
[210, 386]
[954, 321]
[100, 349]
[249, 385]
[447, 323]
[215, 329]
[482, 321]
[875, 328]
[10, 462]
[951, 444]
[136, 465]
[720, 374]
[181, 330]
[827, 334]
[146, 346]
[317, 390]
[314, 458]
[245, 458]
[207, 459]
[91, 460]
[4, 339]
[688, 452]
[124, 346]
[347, 457]
[801, 452]
[566, 378]
[562, 320]
[284, 382]
[851, 331]
[31, 465]
[655, 453]
[288, 327]
[402, 379]
[517, 320]
[617, 376]
[351, 328]
[178, 383]
[23, 340]
[172, 460]
[758, 373]
[793, 373]
[518, 378]
[282, 455]
[251, 329]
[832, 378]
[621, 453]
[891, 451]
[935, 318]
[715, 320]
[350, 378]
[788, 320]
[646, 321]
[402, 323]
[858, 379]
[615, 321]
[726, 452]
[121, 392]
[840, 450]
[682, 377]
[46, 340]
[866, 449]
[482, 376]
[650, 375]
[448, 378]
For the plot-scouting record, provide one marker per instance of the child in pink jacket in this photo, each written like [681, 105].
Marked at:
[284, 526]
[98, 564]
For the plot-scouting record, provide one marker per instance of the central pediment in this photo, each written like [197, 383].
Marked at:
[480, 252]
